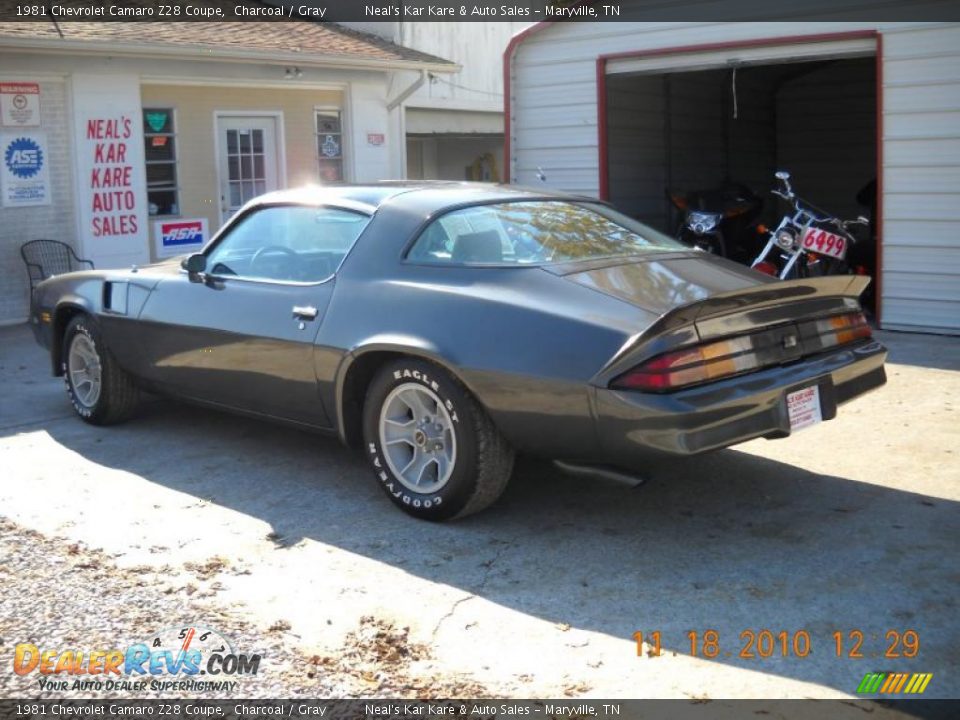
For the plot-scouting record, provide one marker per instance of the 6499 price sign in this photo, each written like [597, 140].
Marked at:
[824, 243]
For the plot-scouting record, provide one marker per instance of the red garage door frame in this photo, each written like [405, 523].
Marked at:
[602, 140]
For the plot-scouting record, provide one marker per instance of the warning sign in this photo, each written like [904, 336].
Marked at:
[19, 104]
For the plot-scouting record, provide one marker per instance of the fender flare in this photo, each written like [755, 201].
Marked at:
[75, 303]
[413, 346]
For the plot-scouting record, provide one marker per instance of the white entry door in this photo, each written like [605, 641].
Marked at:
[248, 160]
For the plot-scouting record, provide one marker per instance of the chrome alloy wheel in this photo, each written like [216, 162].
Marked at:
[418, 439]
[83, 364]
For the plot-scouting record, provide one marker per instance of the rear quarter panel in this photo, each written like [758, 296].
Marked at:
[524, 342]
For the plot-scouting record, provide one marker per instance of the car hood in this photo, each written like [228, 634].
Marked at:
[659, 283]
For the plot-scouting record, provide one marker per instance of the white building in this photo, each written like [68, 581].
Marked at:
[453, 124]
[137, 140]
[626, 110]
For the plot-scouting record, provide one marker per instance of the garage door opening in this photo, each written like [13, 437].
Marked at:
[738, 122]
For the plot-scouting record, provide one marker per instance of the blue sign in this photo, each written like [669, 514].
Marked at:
[23, 158]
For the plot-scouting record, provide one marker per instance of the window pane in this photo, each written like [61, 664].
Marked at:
[258, 167]
[233, 168]
[331, 170]
[232, 142]
[328, 121]
[257, 141]
[157, 120]
[328, 146]
[161, 174]
[235, 199]
[246, 167]
[313, 242]
[159, 147]
[535, 232]
[245, 141]
[162, 202]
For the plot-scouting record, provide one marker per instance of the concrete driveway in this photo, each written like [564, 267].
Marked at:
[849, 526]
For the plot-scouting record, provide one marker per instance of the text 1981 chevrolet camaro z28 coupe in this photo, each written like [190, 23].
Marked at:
[441, 328]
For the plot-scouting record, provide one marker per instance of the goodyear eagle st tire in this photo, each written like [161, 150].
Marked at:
[433, 448]
[101, 392]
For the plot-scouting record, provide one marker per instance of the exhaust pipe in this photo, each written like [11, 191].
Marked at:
[605, 473]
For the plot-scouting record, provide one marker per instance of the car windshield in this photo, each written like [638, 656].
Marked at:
[535, 232]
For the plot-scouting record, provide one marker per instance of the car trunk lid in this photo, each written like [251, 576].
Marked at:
[701, 298]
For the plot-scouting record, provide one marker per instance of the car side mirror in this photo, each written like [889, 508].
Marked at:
[782, 175]
[194, 265]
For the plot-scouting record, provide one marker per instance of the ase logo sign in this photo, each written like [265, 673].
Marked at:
[176, 237]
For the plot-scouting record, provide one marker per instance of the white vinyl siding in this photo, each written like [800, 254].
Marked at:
[554, 127]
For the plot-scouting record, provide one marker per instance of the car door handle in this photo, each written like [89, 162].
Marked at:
[305, 312]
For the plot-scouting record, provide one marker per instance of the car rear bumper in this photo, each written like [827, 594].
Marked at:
[732, 411]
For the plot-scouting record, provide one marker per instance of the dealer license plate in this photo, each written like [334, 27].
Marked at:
[803, 406]
[825, 243]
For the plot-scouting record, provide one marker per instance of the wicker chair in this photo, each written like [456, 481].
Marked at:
[46, 258]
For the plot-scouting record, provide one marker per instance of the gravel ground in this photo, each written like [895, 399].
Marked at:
[283, 542]
[71, 596]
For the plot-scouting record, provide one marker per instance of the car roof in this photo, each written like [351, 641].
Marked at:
[436, 193]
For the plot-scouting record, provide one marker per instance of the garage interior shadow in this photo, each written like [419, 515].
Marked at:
[728, 541]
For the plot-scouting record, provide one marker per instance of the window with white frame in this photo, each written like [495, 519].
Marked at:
[329, 132]
[159, 138]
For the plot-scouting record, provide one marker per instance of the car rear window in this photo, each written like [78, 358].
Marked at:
[534, 233]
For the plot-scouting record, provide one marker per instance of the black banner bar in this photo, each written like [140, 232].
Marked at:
[253, 709]
[65, 11]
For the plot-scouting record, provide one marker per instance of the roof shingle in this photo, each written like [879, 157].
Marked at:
[287, 36]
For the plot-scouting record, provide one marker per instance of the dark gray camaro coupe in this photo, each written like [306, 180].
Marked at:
[441, 328]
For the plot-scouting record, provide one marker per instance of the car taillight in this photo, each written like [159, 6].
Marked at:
[690, 366]
[734, 356]
[842, 329]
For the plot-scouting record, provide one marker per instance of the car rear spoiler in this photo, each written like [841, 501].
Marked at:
[750, 309]
[761, 305]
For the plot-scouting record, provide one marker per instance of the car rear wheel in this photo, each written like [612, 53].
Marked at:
[101, 392]
[433, 448]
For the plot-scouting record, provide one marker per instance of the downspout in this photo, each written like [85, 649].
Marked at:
[417, 84]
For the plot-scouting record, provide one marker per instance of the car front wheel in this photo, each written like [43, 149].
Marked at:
[99, 389]
[433, 448]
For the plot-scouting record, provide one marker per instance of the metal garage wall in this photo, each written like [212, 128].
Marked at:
[553, 96]
[637, 150]
[921, 179]
[678, 130]
[821, 118]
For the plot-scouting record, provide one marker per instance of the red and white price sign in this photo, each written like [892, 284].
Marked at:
[825, 243]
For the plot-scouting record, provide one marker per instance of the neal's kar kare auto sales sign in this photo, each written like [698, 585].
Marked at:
[179, 237]
[24, 175]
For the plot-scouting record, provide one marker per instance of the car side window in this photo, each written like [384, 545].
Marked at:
[533, 232]
[290, 243]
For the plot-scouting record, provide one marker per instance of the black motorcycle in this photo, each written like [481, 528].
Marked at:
[721, 221]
